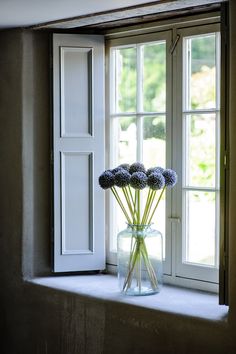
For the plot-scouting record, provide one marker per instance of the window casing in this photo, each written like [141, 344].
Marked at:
[180, 266]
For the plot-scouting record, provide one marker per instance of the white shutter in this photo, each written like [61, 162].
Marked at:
[78, 142]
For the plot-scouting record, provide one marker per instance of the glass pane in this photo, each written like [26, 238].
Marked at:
[125, 79]
[201, 150]
[200, 228]
[125, 130]
[154, 141]
[201, 72]
[154, 154]
[154, 77]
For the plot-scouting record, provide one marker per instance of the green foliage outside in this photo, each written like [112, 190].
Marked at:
[202, 96]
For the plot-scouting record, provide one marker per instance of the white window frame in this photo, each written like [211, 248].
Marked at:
[199, 272]
[173, 270]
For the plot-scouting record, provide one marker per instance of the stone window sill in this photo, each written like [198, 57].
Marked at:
[180, 301]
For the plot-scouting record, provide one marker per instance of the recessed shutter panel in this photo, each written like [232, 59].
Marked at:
[78, 152]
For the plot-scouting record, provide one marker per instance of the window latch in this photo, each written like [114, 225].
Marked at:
[174, 219]
[172, 48]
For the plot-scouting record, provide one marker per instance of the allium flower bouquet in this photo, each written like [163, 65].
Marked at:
[137, 261]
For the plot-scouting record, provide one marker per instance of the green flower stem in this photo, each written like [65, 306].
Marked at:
[115, 193]
[150, 199]
[128, 189]
[149, 265]
[139, 252]
[138, 196]
[131, 195]
[132, 246]
[128, 201]
[133, 258]
[150, 271]
[146, 206]
[150, 219]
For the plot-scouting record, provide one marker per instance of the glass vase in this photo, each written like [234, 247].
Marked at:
[140, 258]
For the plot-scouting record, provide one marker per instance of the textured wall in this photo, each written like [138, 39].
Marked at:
[37, 320]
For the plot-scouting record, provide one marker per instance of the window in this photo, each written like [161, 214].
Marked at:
[164, 110]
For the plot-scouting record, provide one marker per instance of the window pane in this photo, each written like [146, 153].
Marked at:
[200, 150]
[201, 72]
[154, 141]
[124, 140]
[125, 78]
[154, 77]
[154, 154]
[200, 237]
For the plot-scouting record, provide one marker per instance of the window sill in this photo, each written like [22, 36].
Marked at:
[171, 299]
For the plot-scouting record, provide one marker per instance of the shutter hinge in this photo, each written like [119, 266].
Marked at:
[225, 260]
[51, 157]
[225, 162]
[174, 44]
[174, 219]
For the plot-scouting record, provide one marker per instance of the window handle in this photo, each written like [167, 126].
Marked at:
[175, 219]
[172, 49]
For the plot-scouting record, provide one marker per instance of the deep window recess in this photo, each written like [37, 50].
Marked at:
[164, 110]
[164, 107]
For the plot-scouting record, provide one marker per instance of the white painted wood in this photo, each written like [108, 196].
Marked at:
[150, 8]
[78, 143]
[77, 218]
[76, 91]
[182, 268]
[176, 271]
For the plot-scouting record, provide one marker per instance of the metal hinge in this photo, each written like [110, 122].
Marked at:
[172, 48]
[225, 161]
[51, 157]
[174, 219]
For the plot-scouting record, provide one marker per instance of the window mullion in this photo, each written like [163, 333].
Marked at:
[139, 102]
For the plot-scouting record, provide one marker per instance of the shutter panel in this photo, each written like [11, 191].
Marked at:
[78, 144]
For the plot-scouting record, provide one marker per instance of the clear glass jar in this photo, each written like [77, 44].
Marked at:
[140, 258]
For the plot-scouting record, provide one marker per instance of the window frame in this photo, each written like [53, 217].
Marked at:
[175, 27]
[204, 273]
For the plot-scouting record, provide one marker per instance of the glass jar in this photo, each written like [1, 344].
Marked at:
[140, 258]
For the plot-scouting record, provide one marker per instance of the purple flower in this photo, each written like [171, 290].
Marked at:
[137, 167]
[106, 179]
[125, 166]
[170, 177]
[122, 178]
[116, 169]
[156, 181]
[138, 180]
[154, 169]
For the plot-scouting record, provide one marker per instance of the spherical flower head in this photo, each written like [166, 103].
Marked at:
[156, 181]
[170, 177]
[138, 180]
[125, 166]
[106, 179]
[122, 178]
[116, 169]
[154, 169]
[137, 167]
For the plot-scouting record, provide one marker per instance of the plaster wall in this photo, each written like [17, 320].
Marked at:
[39, 320]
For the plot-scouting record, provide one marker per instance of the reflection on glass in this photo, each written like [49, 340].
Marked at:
[154, 77]
[125, 79]
[154, 141]
[200, 228]
[201, 71]
[119, 222]
[201, 154]
[126, 140]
